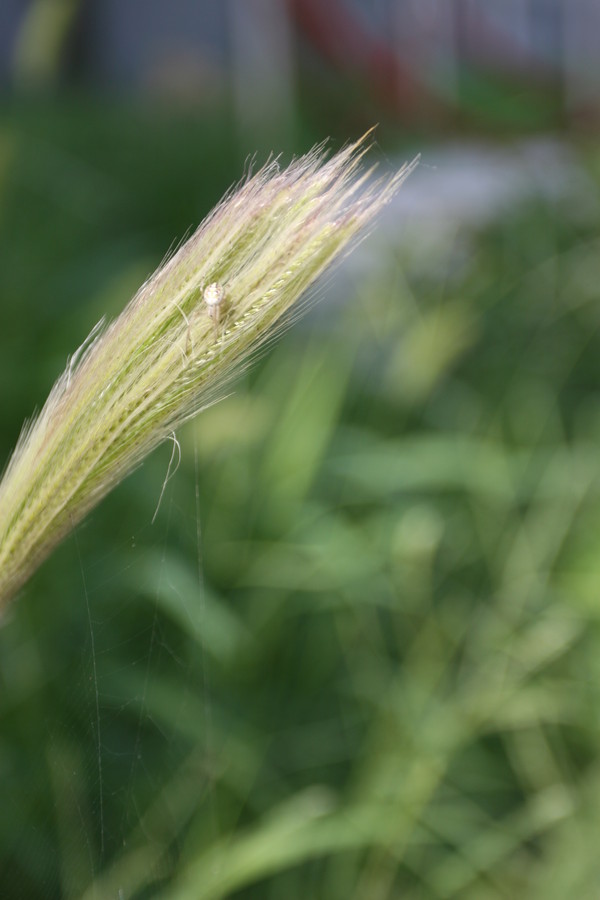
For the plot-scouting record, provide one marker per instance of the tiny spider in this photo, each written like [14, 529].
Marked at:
[213, 297]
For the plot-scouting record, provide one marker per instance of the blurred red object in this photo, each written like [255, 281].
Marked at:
[343, 40]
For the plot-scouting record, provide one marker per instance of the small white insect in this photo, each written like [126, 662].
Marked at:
[213, 297]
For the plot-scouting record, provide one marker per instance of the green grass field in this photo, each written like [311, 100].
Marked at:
[357, 655]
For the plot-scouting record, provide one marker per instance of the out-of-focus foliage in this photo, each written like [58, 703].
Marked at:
[369, 668]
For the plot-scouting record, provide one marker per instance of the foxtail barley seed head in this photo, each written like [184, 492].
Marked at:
[192, 326]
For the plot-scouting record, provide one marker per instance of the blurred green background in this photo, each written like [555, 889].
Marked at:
[357, 655]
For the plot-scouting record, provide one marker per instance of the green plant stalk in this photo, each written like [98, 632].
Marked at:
[169, 354]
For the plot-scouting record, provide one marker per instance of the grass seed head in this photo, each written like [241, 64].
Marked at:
[135, 381]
